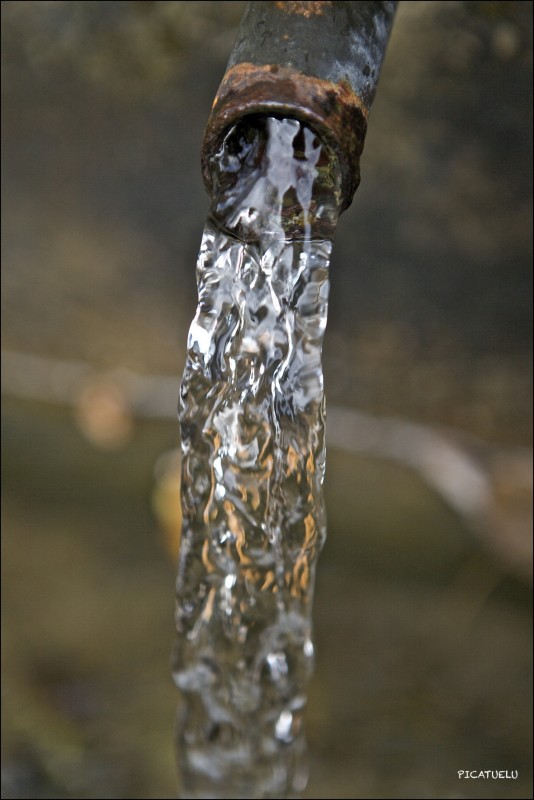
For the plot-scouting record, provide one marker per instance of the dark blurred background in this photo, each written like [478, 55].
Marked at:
[422, 609]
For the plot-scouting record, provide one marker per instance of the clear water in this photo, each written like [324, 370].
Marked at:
[253, 459]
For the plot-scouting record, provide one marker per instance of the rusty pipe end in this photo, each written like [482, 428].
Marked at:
[333, 110]
[318, 62]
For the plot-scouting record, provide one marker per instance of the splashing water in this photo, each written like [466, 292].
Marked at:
[253, 455]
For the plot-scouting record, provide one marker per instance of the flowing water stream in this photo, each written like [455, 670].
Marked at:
[253, 459]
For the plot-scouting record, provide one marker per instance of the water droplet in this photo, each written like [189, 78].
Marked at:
[282, 729]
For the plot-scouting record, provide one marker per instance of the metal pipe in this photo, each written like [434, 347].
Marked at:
[318, 62]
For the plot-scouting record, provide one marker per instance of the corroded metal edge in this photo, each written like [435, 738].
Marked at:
[307, 9]
[336, 114]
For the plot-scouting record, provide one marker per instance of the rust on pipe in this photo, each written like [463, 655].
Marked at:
[318, 62]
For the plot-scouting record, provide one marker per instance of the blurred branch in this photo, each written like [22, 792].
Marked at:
[489, 487]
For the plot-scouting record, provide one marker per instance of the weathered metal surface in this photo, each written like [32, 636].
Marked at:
[331, 109]
[306, 9]
[316, 61]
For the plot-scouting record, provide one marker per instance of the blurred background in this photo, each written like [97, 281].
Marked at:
[422, 608]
